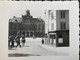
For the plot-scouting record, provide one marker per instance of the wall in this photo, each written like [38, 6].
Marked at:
[59, 20]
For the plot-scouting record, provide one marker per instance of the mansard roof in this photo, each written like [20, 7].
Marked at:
[19, 20]
[15, 19]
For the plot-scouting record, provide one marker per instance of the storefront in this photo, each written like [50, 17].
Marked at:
[62, 38]
[58, 38]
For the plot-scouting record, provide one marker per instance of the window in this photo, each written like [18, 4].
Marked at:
[38, 26]
[60, 36]
[54, 36]
[62, 14]
[60, 39]
[51, 36]
[52, 16]
[49, 13]
[52, 26]
[63, 25]
[16, 20]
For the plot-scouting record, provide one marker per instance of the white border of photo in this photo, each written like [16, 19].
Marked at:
[72, 6]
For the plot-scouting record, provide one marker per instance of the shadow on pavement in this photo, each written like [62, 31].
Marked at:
[11, 49]
[21, 55]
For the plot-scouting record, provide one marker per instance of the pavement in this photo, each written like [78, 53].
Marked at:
[33, 47]
[64, 50]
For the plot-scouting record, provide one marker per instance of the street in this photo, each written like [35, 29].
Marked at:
[32, 48]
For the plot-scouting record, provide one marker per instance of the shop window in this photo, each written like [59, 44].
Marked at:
[60, 36]
[60, 39]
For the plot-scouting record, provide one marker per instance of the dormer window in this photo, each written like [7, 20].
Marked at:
[16, 20]
[14, 16]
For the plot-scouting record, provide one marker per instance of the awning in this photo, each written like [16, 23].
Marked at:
[58, 31]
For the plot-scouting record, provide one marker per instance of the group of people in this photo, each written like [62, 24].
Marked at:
[18, 40]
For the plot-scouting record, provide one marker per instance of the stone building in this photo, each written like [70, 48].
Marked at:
[27, 26]
[57, 27]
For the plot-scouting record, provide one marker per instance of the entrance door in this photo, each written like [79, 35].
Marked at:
[27, 34]
[51, 39]
[31, 34]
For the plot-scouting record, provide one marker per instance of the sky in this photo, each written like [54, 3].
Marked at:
[20, 9]
[36, 9]
[19, 12]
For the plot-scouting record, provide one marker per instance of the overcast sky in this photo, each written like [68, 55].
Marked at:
[19, 12]
[36, 9]
[20, 9]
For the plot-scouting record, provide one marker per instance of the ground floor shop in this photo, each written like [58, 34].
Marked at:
[57, 38]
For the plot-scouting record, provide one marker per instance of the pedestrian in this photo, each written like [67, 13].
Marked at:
[9, 41]
[23, 41]
[42, 41]
[18, 41]
[12, 41]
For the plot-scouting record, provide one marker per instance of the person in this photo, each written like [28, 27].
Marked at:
[12, 41]
[23, 41]
[18, 41]
[42, 41]
[9, 41]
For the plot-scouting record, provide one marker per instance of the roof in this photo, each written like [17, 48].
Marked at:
[19, 19]
[38, 19]
[58, 31]
[16, 19]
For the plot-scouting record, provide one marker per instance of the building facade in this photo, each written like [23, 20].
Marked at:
[27, 26]
[57, 31]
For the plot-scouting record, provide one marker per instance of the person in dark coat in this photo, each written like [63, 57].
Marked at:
[9, 41]
[42, 41]
[18, 41]
[23, 41]
[12, 41]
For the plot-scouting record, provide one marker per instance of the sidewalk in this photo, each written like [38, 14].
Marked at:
[62, 50]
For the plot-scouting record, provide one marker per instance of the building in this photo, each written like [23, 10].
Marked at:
[57, 27]
[27, 26]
